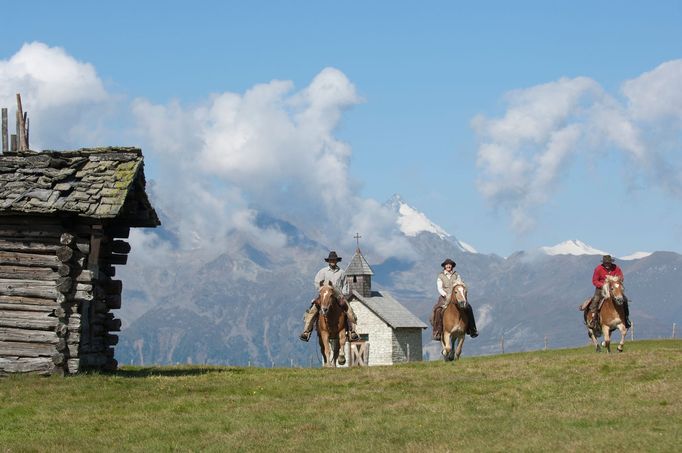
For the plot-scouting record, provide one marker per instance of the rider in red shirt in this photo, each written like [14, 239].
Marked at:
[606, 268]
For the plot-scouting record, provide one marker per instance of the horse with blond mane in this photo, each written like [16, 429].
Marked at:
[455, 323]
[609, 316]
[331, 328]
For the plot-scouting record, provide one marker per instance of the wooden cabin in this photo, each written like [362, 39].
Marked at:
[64, 218]
[390, 332]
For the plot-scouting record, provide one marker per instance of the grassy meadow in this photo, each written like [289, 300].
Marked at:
[565, 400]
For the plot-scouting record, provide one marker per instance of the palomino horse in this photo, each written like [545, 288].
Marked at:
[611, 315]
[331, 328]
[455, 324]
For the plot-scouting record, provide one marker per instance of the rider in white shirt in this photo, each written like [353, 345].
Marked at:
[445, 283]
[334, 275]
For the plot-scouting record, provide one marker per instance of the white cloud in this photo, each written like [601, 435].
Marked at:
[271, 148]
[522, 155]
[656, 94]
[65, 99]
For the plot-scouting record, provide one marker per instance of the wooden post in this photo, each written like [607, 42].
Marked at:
[5, 143]
[632, 331]
[13, 142]
[16, 129]
[26, 130]
[502, 343]
[95, 241]
[21, 128]
[408, 352]
[545, 342]
[674, 325]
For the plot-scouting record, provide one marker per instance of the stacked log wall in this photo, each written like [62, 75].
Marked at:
[57, 293]
[98, 295]
[39, 323]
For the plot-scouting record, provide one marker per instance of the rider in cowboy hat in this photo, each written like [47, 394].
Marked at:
[445, 283]
[333, 274]
[606, 268]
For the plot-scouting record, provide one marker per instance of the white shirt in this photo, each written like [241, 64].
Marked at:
[454, 279]
[335, 276]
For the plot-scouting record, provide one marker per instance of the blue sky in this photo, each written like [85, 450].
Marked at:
[428, 89]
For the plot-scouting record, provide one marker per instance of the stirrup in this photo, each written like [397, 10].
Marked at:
[305, 336]
[353, 335]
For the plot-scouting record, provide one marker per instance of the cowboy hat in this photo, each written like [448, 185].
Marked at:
[333, 256]
[607, 259]
[448, 261]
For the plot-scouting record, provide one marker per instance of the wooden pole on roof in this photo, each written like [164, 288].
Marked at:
[17, 135]
[5, 144]
[21, 126]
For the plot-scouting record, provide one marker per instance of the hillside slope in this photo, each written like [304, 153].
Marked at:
[570, 399]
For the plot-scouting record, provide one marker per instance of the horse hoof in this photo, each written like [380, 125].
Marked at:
[342, 360]
[620, 349]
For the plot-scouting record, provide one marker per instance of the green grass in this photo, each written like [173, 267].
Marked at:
[564, 400]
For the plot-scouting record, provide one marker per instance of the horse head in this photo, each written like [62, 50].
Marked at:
[459, 295]
[326, 298]
[613, 288]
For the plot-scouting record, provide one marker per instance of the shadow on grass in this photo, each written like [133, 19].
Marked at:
[144, 372]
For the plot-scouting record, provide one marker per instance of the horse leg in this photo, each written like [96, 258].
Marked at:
[446, 341]
[460, 343]
[321, 342]
[623, 332]
[606, 331]
[342, 348]
[326, 350]
[333, 351]
[593, 337]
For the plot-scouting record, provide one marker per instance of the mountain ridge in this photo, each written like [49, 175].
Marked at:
[245, 305]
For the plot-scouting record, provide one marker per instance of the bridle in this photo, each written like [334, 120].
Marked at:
[459, 295]
[326, 299]
[613, 288]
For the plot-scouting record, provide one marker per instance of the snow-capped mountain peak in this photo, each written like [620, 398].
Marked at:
[572, 247]
[635, 256]
[413, 222]
[467, 247]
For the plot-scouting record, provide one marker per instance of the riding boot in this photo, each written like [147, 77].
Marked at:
[437, 323]
[626, 309]
[308, 322]
[352, 323]
[472, 330]
[593, 308]
[592, 316]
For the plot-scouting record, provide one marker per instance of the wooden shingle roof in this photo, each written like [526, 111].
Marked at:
[101, 184]
[358, 265]
[390, 310]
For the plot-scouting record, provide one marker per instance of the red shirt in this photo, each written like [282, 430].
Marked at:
[600, 274]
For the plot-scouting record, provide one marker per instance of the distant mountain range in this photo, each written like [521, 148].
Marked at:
[246, 305]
